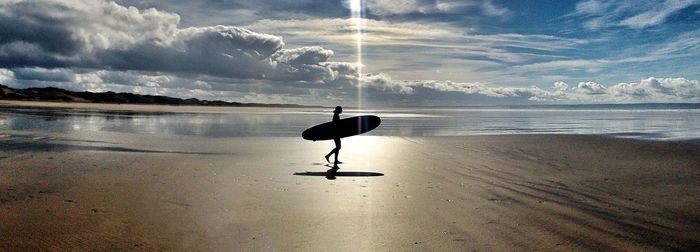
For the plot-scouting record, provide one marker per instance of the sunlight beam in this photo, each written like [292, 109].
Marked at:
[358, 23]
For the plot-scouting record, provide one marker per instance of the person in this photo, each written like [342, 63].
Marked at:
[336, 117]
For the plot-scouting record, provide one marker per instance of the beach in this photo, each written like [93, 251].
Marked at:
[90, 190]
[349, 125]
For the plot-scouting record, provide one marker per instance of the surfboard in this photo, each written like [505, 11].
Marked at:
[343, 128]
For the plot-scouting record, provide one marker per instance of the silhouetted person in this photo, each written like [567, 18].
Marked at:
[336, 117]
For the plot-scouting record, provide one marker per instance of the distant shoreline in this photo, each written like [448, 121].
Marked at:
[53, 94]
[139, 107]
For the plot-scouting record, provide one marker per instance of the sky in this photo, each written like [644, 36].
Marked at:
[414, 52]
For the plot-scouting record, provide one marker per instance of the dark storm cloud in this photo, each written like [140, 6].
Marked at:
[27, 21]
[26, 74]
[105, 35]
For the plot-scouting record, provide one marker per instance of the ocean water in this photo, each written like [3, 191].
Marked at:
[656, 123]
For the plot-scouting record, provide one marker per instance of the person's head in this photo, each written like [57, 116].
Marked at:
[338, 110]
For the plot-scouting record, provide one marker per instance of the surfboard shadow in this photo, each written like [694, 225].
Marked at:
[340, 174]
[331, 174]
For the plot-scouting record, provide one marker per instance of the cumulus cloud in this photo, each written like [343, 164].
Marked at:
[381, 87]
[590, 87]
[98, 81]
[6, 75]
[384, 83]
[560, 86]
[83, 25]
[423, 88]
[105, 35]
[650, 89]
[659, 88]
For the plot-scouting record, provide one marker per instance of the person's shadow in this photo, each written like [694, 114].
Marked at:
[333, 172]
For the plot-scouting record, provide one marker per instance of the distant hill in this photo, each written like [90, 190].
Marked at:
[62, 95]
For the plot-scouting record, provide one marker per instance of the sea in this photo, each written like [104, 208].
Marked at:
[640, 121]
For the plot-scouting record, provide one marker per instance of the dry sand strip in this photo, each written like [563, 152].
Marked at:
[525, 192]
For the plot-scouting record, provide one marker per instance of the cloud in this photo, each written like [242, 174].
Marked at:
[685, 43]
[590, 7]
[590, 87]
[403, 7]
[491, 9]
[631, 14]
[385, 8]
[105, 46]
[105, 35]
[381, 87]
[98, 81]
[41, 74]
[587, 65]
[217, 12]
[384, 83]
[560, 86]
[169, 85]
[305, 55]
[650, 89]
[679, 48]
[421, 89]
[659, 88]
[6, 76]
[408, 48]
[657, 15]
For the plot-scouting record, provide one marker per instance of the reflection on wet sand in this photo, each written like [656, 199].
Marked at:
[422, 193]
[641, 124]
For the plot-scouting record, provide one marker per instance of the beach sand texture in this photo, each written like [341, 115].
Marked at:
[118, 191]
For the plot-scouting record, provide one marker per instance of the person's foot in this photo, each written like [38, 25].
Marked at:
[338, 162]
[327, 160]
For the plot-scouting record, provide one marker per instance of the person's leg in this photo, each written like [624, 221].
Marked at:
[337, 148]
[333, 151]
[329, 154]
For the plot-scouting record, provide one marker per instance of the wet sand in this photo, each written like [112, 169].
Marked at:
[112, 191]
